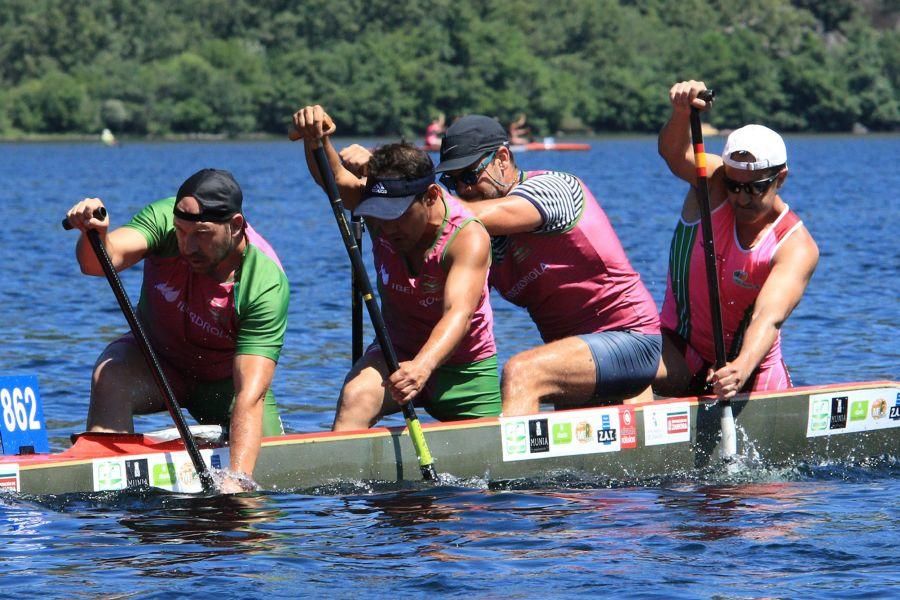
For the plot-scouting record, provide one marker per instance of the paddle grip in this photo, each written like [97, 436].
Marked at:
[294, 135]
[99, 214]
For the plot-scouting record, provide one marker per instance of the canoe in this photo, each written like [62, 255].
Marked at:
[624, 443]
[535, 147]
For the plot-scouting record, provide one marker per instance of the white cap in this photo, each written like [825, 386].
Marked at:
[765, 145]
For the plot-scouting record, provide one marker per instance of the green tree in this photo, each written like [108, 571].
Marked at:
[55, 103]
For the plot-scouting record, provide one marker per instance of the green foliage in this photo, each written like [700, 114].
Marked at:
[55, 103]
[382, 67]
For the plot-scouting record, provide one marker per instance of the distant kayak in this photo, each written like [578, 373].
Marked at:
[550, 145]
[535, 147]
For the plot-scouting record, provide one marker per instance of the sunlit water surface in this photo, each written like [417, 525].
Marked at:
[803, 530]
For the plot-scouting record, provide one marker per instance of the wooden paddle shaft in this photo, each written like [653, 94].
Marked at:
[709, 249]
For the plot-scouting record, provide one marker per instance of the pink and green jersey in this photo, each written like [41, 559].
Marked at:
[413, 303]
[742, 273]
[572, 273]
[196, 324]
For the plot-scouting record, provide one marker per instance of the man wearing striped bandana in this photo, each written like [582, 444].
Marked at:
[556, 254]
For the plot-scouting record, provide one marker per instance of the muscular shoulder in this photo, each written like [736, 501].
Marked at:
[559, 197]
[799, 249]
[470, 244]
[157, 224]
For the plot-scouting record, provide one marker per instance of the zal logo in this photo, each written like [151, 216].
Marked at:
[606, 434]
[894, 411]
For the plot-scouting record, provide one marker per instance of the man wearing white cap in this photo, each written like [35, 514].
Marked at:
[765, 259]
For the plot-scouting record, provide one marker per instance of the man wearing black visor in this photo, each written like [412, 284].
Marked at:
[213, 303]
[432, 259]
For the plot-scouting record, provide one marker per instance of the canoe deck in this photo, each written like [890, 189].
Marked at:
[625, 443]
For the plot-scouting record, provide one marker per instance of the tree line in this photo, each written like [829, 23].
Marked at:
[387, 67]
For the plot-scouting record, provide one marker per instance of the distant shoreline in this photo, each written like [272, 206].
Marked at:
[39, 138]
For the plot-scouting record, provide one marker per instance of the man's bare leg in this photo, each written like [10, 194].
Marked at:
[364, 398]
[121, 387]
[561, 369]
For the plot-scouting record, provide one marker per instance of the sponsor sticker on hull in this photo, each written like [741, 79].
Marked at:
[667, 423]
[563, 434]
[853, 411]
[172, 471]
[9, 478]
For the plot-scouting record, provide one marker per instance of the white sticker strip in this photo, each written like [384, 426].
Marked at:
[853, 411]
[9, 477]
[560, 434]
[667, 423]
[172, 471]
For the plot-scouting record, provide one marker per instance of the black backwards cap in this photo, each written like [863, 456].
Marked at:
[387, 199]
[468, 139]
[217, 193]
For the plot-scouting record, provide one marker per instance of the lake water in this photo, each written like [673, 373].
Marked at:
[811, 530]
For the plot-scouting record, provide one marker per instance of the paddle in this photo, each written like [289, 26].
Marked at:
[426, 462]
[729, 434]
[143, 342]
[356, 314]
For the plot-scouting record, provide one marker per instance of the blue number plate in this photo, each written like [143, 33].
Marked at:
[22, 428]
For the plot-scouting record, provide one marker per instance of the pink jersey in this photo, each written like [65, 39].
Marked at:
[575, 281]
[414, 303]
[741, 272]
[197, 324]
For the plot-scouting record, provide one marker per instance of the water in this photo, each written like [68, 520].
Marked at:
[814, 530]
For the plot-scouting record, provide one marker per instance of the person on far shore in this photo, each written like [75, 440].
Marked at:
[434, 132]
[519, 132]
[432, 260]
[765, 256]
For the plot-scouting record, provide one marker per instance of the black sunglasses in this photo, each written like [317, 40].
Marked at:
[754, 188]
[468, 177]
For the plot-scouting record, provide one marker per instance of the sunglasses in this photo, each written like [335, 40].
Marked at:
[754, 188]
[469, 176]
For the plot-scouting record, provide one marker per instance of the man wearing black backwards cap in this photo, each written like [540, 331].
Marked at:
[214, 304]
[556, 254]
[765, 259]
[432, 261]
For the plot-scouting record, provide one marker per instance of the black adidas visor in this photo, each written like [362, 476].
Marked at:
[388, 199]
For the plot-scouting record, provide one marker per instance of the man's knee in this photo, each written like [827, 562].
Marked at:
[112, 369]
[359, 395]
[515, 369]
